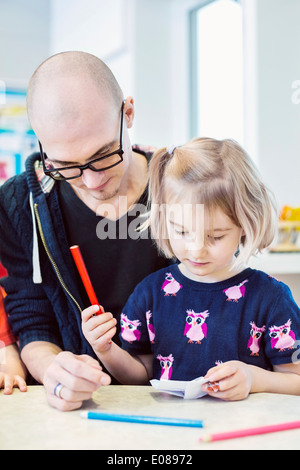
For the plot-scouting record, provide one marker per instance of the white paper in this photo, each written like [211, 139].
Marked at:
[189, 390]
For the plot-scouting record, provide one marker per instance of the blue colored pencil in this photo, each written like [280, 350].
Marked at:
[142, 419]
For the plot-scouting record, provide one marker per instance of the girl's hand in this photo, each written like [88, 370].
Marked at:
[9, 381]
[229, 381]
[98, 329]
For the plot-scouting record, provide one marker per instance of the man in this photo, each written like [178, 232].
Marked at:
[83, 188]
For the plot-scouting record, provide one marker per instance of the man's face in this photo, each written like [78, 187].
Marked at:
[92, 142]
[90, 130]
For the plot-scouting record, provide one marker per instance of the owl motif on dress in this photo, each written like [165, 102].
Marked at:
[129, 329]
[166, 364]
[235, 292]
[195, 327]
[282, 337]
[170, 285]
[150, 326]
[255, 339]
[218, 363]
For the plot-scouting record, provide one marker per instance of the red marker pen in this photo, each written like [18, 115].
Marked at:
[76, 253]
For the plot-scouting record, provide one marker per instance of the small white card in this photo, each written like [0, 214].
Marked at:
[189, 390]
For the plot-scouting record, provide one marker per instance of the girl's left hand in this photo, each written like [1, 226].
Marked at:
[229, 381]
[9, 381]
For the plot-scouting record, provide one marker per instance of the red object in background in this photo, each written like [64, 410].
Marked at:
[6, 335]
[3, 271]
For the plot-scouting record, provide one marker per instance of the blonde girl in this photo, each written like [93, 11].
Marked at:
[207, 314]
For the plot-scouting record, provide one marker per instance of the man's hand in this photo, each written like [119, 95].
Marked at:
[80, 377]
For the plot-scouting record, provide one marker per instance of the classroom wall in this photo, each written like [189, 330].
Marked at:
[24, 38]
[278, 118]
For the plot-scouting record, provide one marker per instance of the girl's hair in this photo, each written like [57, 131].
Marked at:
[217, 174]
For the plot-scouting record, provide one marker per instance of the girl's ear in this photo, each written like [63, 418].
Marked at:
[243, 237]
[129, 111]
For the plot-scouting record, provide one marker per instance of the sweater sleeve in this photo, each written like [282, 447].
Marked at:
[28, 309]
[134, 328]
[283, 328]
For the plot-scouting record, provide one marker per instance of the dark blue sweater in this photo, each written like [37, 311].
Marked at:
[191, 326]
[45, 311]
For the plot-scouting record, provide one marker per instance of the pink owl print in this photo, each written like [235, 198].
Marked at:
[150, 326]
[218, 363]
[170, 285]
[166, 364]
[129, 329]
[235, 292]
[282, 337]
[195, 327]
[255, 338]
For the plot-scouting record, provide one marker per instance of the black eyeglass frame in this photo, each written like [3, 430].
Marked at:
[89, 165]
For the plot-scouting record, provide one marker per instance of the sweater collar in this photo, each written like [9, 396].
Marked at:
[37, 180]
[39, 184]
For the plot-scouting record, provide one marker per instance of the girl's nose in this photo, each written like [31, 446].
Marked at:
[196, 245]
[198, 252]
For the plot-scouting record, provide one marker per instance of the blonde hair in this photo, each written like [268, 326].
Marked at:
[218, 174]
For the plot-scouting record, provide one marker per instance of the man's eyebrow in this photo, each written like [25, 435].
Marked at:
[102, 150]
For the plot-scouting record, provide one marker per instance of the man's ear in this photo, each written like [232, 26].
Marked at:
[129, 111]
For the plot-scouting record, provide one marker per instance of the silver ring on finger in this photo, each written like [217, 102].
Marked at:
[57, 390]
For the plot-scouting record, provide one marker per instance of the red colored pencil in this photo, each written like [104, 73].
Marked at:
[76, 253]
[251, 432]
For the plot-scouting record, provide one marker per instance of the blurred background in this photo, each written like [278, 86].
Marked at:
[218, 68]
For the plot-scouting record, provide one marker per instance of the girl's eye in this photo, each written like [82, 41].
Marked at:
[180, 232]
[216, 239]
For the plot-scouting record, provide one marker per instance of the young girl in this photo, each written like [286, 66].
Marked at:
[209, 314]
[12, 370]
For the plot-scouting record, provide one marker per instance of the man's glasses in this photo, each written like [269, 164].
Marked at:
[99, 164]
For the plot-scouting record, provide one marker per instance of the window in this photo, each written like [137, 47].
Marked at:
[217, 70]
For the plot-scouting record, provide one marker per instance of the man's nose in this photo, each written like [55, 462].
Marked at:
[93, 179]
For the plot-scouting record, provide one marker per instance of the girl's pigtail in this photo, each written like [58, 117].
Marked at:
[156, 199]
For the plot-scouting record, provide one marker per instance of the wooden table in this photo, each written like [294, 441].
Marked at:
[28, 422]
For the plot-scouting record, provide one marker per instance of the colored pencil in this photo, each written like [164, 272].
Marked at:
[141, 419]
[76, 253]
[251, 432]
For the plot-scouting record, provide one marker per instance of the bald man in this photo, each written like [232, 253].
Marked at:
[86, 186]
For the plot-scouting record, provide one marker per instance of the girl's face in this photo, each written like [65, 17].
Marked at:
[205, 248]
